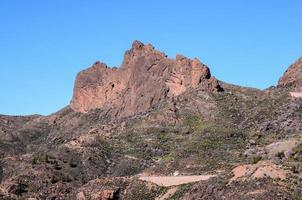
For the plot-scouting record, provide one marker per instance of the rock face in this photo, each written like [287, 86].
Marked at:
[145, 78]
[293, 76]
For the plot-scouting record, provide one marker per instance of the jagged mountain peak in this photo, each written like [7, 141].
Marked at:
[146, 77]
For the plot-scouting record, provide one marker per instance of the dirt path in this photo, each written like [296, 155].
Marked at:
[296, 94]
[168, 181]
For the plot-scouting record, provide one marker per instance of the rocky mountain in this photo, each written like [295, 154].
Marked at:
[145, 78]
[292, 76]
[158, 128]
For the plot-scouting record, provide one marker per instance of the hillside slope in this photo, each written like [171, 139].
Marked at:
[171, 119]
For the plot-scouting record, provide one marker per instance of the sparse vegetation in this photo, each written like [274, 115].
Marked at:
[80, 148]
[139, 190]
[41, 158]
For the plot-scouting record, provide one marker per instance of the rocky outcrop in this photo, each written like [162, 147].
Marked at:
[292, 78]
[145, 78]
[260, 170]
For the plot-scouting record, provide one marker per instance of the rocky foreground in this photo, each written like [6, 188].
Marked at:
[158, 128]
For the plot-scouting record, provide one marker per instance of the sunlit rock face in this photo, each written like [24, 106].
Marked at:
[292, 78]
[145, 78]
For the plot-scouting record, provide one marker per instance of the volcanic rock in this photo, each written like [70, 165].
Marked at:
[292, 77]
[145, 78]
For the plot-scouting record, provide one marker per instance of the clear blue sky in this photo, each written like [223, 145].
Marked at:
[43, 44]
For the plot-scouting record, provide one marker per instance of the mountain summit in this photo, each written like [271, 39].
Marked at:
[146, 77]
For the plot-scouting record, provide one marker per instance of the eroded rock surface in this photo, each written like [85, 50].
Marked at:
[145, 78]
[293, 77]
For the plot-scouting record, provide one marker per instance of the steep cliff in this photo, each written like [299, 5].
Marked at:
[145, 78]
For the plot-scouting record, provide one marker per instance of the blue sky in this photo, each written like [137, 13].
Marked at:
[43, 44]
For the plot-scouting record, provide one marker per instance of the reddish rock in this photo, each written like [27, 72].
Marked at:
[293, 76]
[260, 170]
[145, 78]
